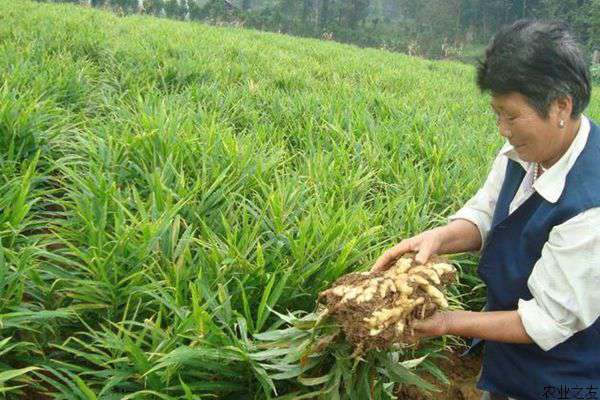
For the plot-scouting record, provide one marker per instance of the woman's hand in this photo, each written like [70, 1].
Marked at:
[436, 325]
[425, 244]
[497, 326]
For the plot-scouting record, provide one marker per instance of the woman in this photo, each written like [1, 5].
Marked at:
[536, 221]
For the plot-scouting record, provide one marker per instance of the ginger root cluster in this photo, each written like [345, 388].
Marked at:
[376, 310]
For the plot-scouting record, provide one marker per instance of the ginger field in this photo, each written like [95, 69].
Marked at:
[173, 196]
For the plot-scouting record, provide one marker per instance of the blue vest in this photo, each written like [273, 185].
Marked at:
[513, 245]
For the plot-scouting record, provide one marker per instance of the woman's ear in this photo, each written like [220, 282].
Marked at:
[563, 107]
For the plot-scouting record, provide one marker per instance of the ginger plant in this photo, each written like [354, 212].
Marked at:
[358, 344]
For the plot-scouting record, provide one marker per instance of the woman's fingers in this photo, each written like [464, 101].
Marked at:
[424, 252]
[412, 339]
[387, 259]
[435, 325]
[425, 244]
[429, 245]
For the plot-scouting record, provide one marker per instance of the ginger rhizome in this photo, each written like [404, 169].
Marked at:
[376, 310]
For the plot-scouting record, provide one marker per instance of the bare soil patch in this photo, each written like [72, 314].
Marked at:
[462, 373]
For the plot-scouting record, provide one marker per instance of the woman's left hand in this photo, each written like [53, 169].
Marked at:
[499, 326]
[436, 325]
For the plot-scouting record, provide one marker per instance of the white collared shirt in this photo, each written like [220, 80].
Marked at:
[565, 281]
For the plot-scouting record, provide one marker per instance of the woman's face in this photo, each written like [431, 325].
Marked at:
[534, 138]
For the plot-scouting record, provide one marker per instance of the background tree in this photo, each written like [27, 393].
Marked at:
[430, 28]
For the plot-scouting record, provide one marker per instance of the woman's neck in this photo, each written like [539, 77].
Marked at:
[572, 129]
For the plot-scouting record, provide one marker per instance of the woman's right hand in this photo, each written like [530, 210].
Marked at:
[425, 244]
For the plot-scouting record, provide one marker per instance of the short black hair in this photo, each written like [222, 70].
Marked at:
[540, 60]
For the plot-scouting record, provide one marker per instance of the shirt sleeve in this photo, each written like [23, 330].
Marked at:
[480, 208]
[564, 282]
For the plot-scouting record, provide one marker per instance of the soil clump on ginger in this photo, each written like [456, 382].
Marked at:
[376, 310]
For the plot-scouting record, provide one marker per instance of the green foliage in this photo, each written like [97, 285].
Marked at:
[595, 70]
[593, 18]
[298, 353]
[218, 10]
[168, 188]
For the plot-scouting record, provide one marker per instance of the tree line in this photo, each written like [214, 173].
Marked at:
[429, 28]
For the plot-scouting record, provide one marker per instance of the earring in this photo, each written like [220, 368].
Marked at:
[561, 124]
